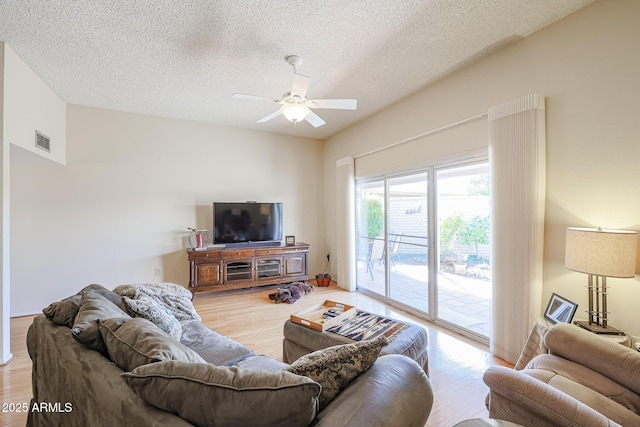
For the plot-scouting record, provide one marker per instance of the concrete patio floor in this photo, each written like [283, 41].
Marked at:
[462, 300]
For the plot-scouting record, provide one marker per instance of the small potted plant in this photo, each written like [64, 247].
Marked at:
[324, 279]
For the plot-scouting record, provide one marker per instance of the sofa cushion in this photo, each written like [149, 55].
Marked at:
[565, 375]
[591, 398]
[260, 362]
[588, 349]
[94, 307]
[64, 312]
[585, 348]
[205, 394]
[335, 367]
[136, 342]
[156, 313]
[213, 347]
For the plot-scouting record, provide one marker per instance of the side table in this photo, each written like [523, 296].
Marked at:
[535, 342]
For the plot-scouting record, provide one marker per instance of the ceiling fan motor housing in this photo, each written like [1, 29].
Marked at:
[292, 98]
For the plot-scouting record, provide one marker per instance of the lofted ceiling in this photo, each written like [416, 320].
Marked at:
[184, 59]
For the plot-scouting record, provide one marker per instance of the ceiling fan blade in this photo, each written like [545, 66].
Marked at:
[338, 104]
[314, 119]
[253, 97]
[300, 84]
[270, 116]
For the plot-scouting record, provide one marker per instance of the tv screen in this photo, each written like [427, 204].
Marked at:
[244, 222]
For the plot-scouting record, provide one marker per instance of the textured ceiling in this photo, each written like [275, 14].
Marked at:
[184, 59]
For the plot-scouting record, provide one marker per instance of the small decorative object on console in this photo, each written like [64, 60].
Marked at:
[290, 240]
[198, 238]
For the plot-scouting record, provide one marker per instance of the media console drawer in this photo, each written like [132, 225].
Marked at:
[268, 251]
[200, 254]
[237, 253]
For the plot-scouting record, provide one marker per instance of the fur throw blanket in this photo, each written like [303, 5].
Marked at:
[291, 293]
[167, 305]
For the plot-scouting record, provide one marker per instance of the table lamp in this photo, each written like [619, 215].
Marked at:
[600, 253]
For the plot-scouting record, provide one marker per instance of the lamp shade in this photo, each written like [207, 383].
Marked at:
[295, 112]
[610, 253]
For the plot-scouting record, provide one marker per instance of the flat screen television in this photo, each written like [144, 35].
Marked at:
[247, 223]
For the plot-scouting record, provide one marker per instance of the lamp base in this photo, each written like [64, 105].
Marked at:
[597, 329]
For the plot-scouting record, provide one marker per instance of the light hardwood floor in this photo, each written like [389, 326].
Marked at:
[455, 363]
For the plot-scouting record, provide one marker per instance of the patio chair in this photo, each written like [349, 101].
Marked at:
[395, 248]
[376, 253]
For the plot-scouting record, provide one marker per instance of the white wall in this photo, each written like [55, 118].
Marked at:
[587, 65]
[131, 187]
[31, 105]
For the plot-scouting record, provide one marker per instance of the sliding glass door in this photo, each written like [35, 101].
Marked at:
[408, 213]
[392, 248]
[464, 278]
[370, 237]
[423, 244]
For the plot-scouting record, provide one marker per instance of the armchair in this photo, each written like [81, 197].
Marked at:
[584, 380]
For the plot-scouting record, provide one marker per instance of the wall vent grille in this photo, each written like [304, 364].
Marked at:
[43, 142]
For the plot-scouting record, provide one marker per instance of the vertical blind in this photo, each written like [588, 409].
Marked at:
[345, 224]
[517, 158]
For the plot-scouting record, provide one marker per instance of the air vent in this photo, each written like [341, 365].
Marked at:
[43, 142]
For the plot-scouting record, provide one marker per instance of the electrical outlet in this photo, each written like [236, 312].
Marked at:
[158, 271]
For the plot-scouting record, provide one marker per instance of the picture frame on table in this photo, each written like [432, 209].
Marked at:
[290, 240]
[560, 309]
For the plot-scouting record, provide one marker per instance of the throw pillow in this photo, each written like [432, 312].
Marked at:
[335, 367]
[64, 312]
[136, 342]
[85, 326]
[205, 394]
[156, 313]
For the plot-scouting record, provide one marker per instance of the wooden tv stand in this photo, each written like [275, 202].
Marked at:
[215, 270]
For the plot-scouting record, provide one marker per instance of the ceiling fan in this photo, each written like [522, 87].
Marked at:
[295, 105]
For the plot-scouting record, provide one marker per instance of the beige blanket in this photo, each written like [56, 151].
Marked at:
[167, 305]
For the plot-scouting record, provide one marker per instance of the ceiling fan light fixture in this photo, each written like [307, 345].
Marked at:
[295, 112]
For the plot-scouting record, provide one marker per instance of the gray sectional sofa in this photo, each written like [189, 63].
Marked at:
[96, 364]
